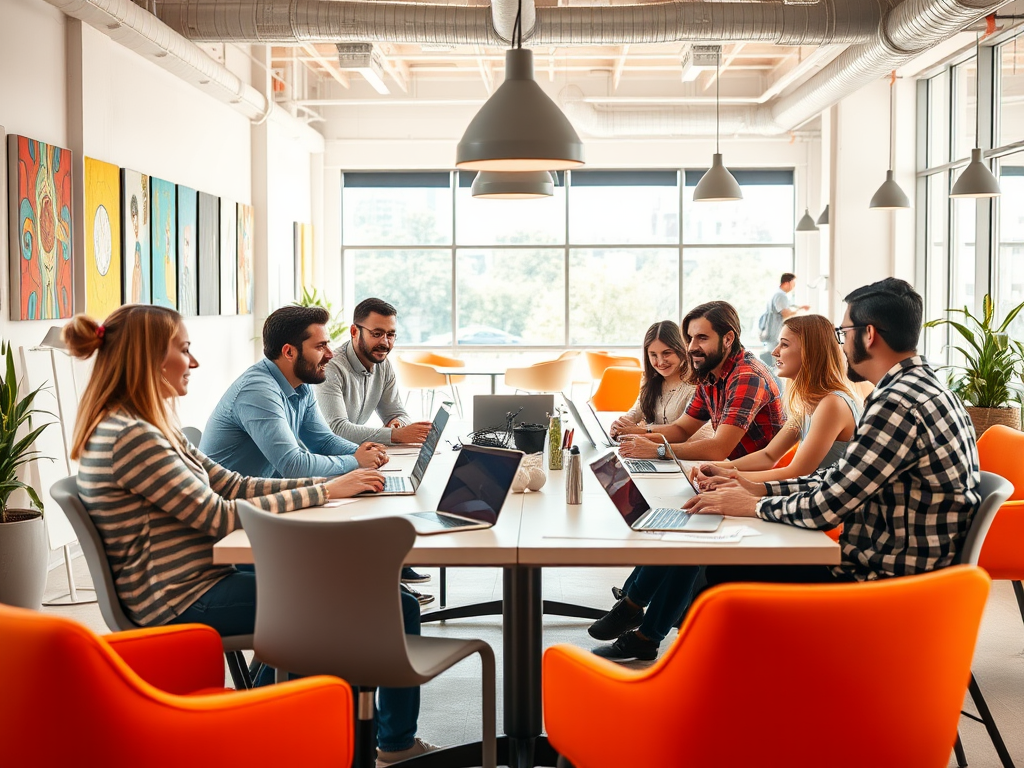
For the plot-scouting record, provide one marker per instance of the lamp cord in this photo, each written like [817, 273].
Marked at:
[518, 26]
[892, 148]
[977, 89]
[718, 90]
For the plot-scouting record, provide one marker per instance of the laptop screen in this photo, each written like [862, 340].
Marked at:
[620, 487]
[431, 441]
[479, 483]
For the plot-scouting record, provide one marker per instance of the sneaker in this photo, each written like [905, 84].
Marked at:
[619, 620]
[422, 598]
[618, 593]
[409, 576]
[419, 747]
[629, 647]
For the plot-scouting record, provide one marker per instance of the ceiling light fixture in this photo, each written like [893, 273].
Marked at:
[717, 185]
[519, 128]
[976, 180]
[530, 185]
[806, 223]
[890, 196]
[823, 219]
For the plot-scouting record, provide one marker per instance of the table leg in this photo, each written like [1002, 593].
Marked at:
[495, 608]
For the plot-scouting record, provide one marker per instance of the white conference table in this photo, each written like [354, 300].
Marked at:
[494, 371]
[538, 530]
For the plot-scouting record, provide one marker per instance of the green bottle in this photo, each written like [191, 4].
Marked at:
[555, 443]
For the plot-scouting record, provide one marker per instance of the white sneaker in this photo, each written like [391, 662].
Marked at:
[419, 747]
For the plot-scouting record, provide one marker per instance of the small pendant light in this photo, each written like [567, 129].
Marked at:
[717, 185]
[529, 185]
[890, 196]
[977, 180]
[806, 223]
[823, 219]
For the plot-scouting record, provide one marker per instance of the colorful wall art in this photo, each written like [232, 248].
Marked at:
[245, 233]
[135, 226]
[209, 254]
[164, 244]
[188, 226]
[228, 257]
[102, 238]
[40, 224]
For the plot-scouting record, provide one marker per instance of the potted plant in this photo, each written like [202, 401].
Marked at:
[987, 381]
[23, 549]
[336, 327]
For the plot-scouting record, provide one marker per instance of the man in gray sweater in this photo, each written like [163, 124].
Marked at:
[361, 381]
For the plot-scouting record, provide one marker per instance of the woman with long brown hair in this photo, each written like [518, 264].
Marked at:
[667, 384]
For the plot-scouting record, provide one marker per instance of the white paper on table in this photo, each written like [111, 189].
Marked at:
[728, 536]
[339, 502]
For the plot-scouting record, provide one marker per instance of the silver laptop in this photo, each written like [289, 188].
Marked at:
[476, 491]
[492, 411]
[667, 466]
[577, 420]
[635, 509]
[608, 441]
[406, 485]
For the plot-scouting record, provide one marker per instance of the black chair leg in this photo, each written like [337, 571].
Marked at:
[990, 723]
[238, 669]
[365, 754]
[563, 763]
[958, 750]
[443, 578]
[1018, 590]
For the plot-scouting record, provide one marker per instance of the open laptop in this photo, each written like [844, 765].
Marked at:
[577, 421]
[667, 466]
[475, 493]
[635, 509]
[491, 411]
[406, 485]
[608, 441]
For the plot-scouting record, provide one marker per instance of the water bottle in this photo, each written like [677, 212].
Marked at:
[555, 442]
[574, 477]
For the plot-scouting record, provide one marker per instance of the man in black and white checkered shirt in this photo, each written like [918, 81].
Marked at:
[907, 487]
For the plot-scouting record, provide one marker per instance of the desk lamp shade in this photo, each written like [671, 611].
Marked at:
[492, 185]
[519, 128]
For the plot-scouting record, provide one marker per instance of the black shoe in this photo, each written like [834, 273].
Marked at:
[619, 620]
[409, 576]
[629, 647]
[618, 593]
[421, 598]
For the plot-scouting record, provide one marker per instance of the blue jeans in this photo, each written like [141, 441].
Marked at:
[229, 606]
[665, 591]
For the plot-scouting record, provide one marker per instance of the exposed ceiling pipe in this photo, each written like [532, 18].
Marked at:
[503, 18]
[289, 21]
[131, 26]
[908, 30]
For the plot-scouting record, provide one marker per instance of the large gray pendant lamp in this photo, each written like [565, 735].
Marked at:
[519, 128]
[890, 196]
[806, 223]
[977, 180]
[492, 185]
[717, 185]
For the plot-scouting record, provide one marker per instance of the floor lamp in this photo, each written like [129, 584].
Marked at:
[51, 342]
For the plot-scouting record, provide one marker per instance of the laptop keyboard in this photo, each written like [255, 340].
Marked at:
[392, 483]
[667, 518]
[443, 520]
[639, 465]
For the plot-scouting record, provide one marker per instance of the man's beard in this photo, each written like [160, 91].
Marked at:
[367, 352]
[712, 361]
[860, 354]
[309, 373]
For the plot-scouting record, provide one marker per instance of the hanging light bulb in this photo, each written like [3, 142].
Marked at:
[492, 185]
[890, 196]
[976, 180]
[806, 223]
[717, 185]
[519, 128]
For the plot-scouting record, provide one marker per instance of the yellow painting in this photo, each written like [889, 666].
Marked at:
[102, 238]
[303, 258]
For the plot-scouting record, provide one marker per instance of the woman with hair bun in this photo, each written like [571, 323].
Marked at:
[160, 504]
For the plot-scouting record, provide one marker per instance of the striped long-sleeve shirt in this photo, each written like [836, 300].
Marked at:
[159, 512]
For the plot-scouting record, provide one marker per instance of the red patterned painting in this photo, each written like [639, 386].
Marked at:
[41, 279]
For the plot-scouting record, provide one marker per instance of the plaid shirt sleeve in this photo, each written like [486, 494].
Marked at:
[698, 407]
[745, 395]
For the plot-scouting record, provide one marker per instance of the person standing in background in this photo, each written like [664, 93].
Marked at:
[781, 307]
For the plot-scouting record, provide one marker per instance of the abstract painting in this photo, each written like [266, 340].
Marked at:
[188, 224]
[102, 238]
[209, 254]
[303, 258]
[135, 220]
[40, 224]
[245, 234]
[228, 257]
[164, 245]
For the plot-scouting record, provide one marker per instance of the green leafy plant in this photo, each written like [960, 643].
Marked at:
[15, 452]
[336, 327]
[988, 379]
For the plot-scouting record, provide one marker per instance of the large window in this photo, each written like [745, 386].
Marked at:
[595, 264]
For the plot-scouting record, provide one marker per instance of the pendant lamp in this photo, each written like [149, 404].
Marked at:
[717, 185]
[823, 219]
[492, 185]
[976, 180]
[890, 196]
[806, 223]
[519, 128]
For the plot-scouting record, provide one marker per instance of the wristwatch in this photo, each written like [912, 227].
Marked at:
[661, 451]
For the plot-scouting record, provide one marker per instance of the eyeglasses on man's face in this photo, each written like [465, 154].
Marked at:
[377, 333]
[842, 329]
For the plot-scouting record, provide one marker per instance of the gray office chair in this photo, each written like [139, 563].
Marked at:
[328, 603]
[65, 493]
[193, 435]
[994, 491]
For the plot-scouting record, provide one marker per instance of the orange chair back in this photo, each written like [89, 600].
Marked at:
[741, 683]
[412, 375]
[1001, 450]
[598, 361]
[618, 389]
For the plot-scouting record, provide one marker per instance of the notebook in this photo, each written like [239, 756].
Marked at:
[406, 485]
[476, 491]
[635, 509]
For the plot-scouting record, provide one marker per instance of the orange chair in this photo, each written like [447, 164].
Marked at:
[618, 389]
[599, 360]
[413, 375]
[730, 689]
[436, 361]
[1001, 450]
[154, 697]
[787, 457]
